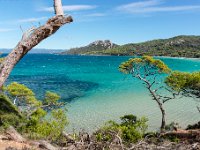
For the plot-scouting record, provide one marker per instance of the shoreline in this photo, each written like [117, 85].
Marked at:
[177, 57]
[132, 56]
[99, 55]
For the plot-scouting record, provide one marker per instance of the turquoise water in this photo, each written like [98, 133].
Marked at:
[97, 92]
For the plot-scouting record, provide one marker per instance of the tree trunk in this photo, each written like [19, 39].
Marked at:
[163, 123]
[160, 105]
[29, 40]
[58, 7]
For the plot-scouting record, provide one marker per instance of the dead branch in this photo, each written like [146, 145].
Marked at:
[30, 39]
[58, 7]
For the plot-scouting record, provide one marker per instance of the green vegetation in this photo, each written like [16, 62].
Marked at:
[1, 59]
[185, 83]
[47, 127]
[92, 48]
[7, 106]
[9, 113]
[29, 115]
[131, 129]
[180, 46]
[148, 64]
[21, 94]
[24, 97]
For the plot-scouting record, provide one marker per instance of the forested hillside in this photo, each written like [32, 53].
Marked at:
[180, 46]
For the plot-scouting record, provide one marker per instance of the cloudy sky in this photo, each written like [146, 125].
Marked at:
[121, 21]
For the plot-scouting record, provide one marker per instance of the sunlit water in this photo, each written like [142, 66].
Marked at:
[97, 92]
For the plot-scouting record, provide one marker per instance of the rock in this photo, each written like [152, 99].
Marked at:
[68, 137]
[116, 147]
[46, 145]
[85, 137]
[2, 137]
[72, 147]
[195, 145]
[14, 135]
[106, 43]
[81, 146]
[116, 140]
[34, 143]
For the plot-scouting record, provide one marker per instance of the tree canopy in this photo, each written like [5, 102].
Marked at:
[186, 83]
[148, 64]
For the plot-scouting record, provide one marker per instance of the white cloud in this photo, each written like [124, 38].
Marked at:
[31, 19]
[169, 9]
[137, 5]
[151, 6]
[5, 29]
[70, 8]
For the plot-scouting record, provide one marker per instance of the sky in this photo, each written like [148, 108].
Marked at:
[121, 21]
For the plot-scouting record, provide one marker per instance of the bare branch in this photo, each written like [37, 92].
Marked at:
[58, 7]
[30, 39]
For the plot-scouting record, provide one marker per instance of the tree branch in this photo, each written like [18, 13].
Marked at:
[29, 40]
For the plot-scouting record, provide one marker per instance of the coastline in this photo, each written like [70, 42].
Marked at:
[170, 57]
[99, 55]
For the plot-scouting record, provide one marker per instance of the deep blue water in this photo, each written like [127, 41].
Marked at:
[94, 88]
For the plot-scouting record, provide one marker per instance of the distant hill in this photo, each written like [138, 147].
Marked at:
[180, 46]
[99, 46]
[35, 51]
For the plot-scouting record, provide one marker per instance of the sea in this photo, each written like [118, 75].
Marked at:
[95, 91]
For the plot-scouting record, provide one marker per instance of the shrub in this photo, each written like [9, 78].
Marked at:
[11, 119]
[194, 126]
[131, 129]
[38, 119]
[9, 114]
[50, 128]
[6, 106]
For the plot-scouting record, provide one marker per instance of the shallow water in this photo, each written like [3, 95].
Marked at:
[97, 92]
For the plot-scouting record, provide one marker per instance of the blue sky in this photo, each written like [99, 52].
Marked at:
[121, 21]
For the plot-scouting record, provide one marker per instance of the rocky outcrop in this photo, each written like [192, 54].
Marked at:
[12, 134]
[13, 140]
[107, 44]
[179, 46]
[99, 45]
[46, 145]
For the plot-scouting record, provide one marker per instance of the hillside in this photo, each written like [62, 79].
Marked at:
[180, 46]
[97, 46]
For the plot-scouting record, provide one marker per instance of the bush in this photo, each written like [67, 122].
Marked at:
[33, 120]
[50, 128]
[131, 129]
[9, 114]
[11, 119]
[194, 126]
[6, 106]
